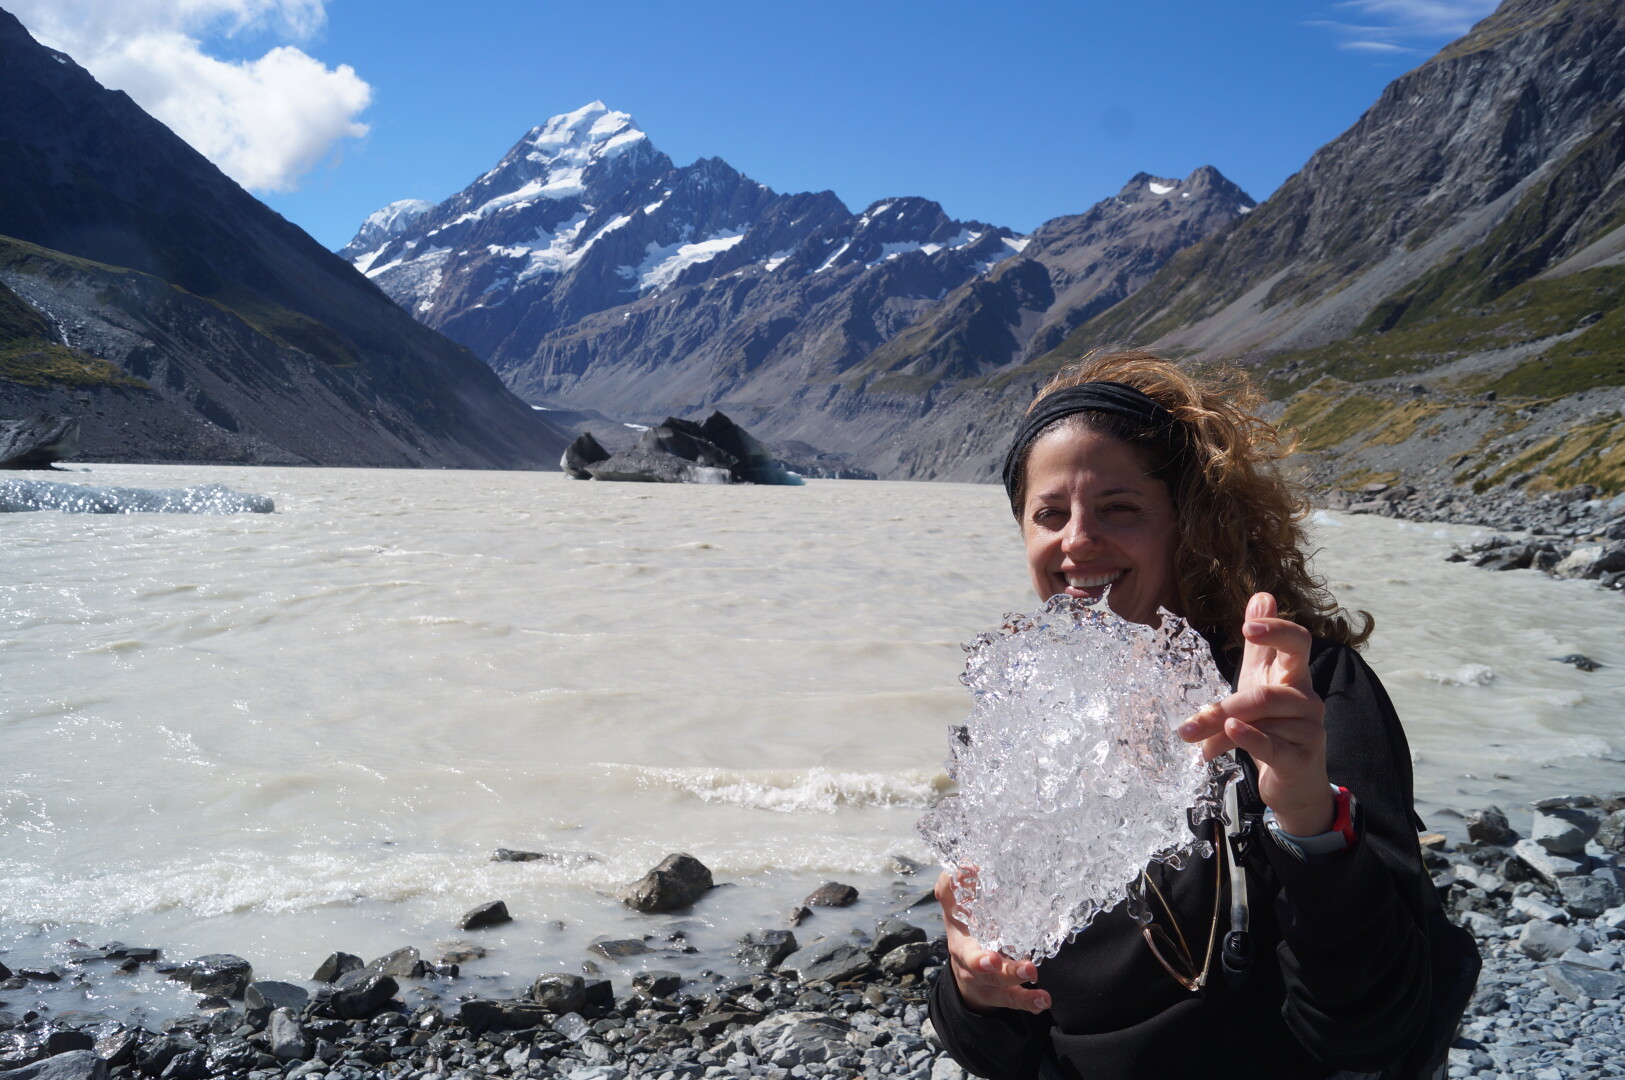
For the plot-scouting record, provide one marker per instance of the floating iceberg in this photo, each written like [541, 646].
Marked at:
[17, 496]
[1071, 776]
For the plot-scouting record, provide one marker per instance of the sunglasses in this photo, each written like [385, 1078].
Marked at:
[1171, 950]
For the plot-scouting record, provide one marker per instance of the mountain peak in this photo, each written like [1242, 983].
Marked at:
[592, 131]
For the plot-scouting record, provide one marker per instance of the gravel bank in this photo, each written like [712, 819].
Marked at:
[1546, 901]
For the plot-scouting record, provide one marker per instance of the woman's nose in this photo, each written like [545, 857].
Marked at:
[1080, 535]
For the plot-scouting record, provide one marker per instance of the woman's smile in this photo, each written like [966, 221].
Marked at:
[1097, 524]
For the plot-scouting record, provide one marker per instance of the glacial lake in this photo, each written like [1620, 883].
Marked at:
[280, 735]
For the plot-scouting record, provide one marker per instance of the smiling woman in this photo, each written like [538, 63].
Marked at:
[1159, 492]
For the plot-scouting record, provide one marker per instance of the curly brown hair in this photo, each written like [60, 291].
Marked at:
[1240, 521]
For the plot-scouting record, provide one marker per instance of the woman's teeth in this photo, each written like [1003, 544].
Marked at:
[1094, 581]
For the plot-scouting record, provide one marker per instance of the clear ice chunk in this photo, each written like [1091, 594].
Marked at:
[1071, 776]
[18, 496]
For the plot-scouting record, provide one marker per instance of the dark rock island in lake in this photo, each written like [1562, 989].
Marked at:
[717, 451]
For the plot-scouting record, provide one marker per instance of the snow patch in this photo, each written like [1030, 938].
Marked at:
[1161, 189]
[1017, 244]
[664, 263]
[829, 262]
[364, 263]
[1244, 209]
[777, 259]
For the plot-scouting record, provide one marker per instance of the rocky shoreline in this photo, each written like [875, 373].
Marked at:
[1568, 534]
[1547, 908]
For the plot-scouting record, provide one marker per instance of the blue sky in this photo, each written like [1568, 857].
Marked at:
[1011, 114]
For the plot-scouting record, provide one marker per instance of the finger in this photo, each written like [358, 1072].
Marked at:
[1249, 738]
[1282, 643]
[1254, 657]
[1269, 704]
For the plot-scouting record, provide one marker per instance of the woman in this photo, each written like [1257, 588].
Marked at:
[1133, 479]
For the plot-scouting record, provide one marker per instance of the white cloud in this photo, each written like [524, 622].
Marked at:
[1392, 27]
[265, 122]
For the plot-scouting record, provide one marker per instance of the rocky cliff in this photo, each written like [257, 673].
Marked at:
[143, 290]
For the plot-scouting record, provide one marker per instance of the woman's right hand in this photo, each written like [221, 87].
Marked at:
[986, 980]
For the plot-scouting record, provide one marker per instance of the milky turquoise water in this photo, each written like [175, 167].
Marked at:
[282, 734]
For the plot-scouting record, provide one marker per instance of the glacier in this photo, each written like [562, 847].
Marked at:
[1071, 777]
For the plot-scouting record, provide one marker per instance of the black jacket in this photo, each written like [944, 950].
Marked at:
[1340, 975]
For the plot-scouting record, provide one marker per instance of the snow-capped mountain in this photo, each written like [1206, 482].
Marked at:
[593, 273]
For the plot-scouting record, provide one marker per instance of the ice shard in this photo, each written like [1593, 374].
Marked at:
[19, 496]
[1071, 777]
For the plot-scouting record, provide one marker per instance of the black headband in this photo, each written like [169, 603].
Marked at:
[1117, 399]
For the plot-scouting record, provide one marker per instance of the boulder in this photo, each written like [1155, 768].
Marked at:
[220, 974]
[789, 1039]
[339, 963]
[286, 1037]
[684, 439]
[829, 960]
[676, 883]
[891, 933]
[1548, 865]
[1542, 940]
[1611, 832]
[1489, 826]
[494, 913]
[620, 948]
[404, 963]
[1589, 895]
[584, 451]
[559, 993]
[359, 994]
[37, 442]
[483, 1014]
[906, 959]
[74, 1065]
[763, 950]
[1563, 831]
[1575, 982]
[268, 995]
[833, 894]
[657, 983]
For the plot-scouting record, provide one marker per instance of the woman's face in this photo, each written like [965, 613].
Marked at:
[1095, 521]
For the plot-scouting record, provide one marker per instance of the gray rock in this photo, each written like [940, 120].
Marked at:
[494, 913]
[287, 1038]
[946, 1068]
[572, 1026]
[890, 933]
[1601, 961]
[1541, 940]
[833, 894]
[1575, 982]
[676, 883]
[829, 960]
[74, 1065]
[1613, 917]
[1563, 831]
[559, 993]
[339, 963]
[458, 952]
[484, 1014]
[1538, 909]
[902, 864]
[789, 1039]
[1590, 895]
[37, 442]
[764, 950]
[1549, 866]
[906, 959]
[359, 994]
[657, 983]
[1482, 926]
[267, 994]
[404, 963]
[620, 948]
[1611, 832]
[1489, 826]
[220, 974]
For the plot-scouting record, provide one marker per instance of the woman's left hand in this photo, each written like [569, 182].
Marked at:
[1276, 716]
